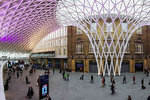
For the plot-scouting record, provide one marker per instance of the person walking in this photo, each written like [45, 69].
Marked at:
[48, 97]
[133, 79]
[103, 81]
[21, 71]
[63, 74]
[142, 82]
[147, 73]
[129, 97]
[48, 72]
[124, 79]
[27, 81]
[17, 74]
[148, 98]
[82, 77]
[111, 78]
[112, 89]
[31, 71]
[30, 92]
[92, 79]
[6, 87]
[60, 70]
[113, 81]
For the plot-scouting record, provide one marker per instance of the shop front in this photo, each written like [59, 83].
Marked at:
[139, 65]
[57, 63]
[50, 63]
[125, 66]
[93, 66]
[79, 65]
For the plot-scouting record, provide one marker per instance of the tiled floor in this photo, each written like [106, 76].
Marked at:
[76, 89]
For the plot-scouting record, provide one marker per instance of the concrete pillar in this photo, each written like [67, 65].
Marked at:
[73, 65]
[132, 66]
[62, 63]
[46, 61]
[53, 61]
[69, 64]
[86, 65]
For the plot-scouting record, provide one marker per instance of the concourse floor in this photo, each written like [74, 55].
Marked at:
[76, 89]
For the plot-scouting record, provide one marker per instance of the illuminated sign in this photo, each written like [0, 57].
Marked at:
[43, 86]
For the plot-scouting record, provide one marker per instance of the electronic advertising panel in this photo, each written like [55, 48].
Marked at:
[44, 86]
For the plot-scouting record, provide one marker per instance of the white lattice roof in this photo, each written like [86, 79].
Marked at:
[23, 23]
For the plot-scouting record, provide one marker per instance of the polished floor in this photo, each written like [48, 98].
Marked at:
[76, 89]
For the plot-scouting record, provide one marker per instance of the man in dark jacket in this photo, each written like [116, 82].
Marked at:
[112, 88]
[142, 82]
[148, 98]
[92, 79]
[48, 97]
[27, 81]
[124, 79]
[30, 92]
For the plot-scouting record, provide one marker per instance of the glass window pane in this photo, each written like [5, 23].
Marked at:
[79, 31]
[139, 30]
[124, 27]
[93, 27]
[109, 27]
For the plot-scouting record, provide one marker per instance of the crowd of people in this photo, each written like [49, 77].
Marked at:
[113, 85]
[18, 71]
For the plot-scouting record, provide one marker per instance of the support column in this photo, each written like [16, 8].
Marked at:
[62, 63]
[132, 65]
[73, 65]
[69, 64]
[86, 65]
[53, 61]
[46, 61]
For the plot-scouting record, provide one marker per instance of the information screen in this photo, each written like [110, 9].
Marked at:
[44, 90]
[44, 86]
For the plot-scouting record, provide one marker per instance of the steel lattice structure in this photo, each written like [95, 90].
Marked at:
[23, 23]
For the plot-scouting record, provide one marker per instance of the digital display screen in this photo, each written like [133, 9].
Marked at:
[44, 90]
[44, 86]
